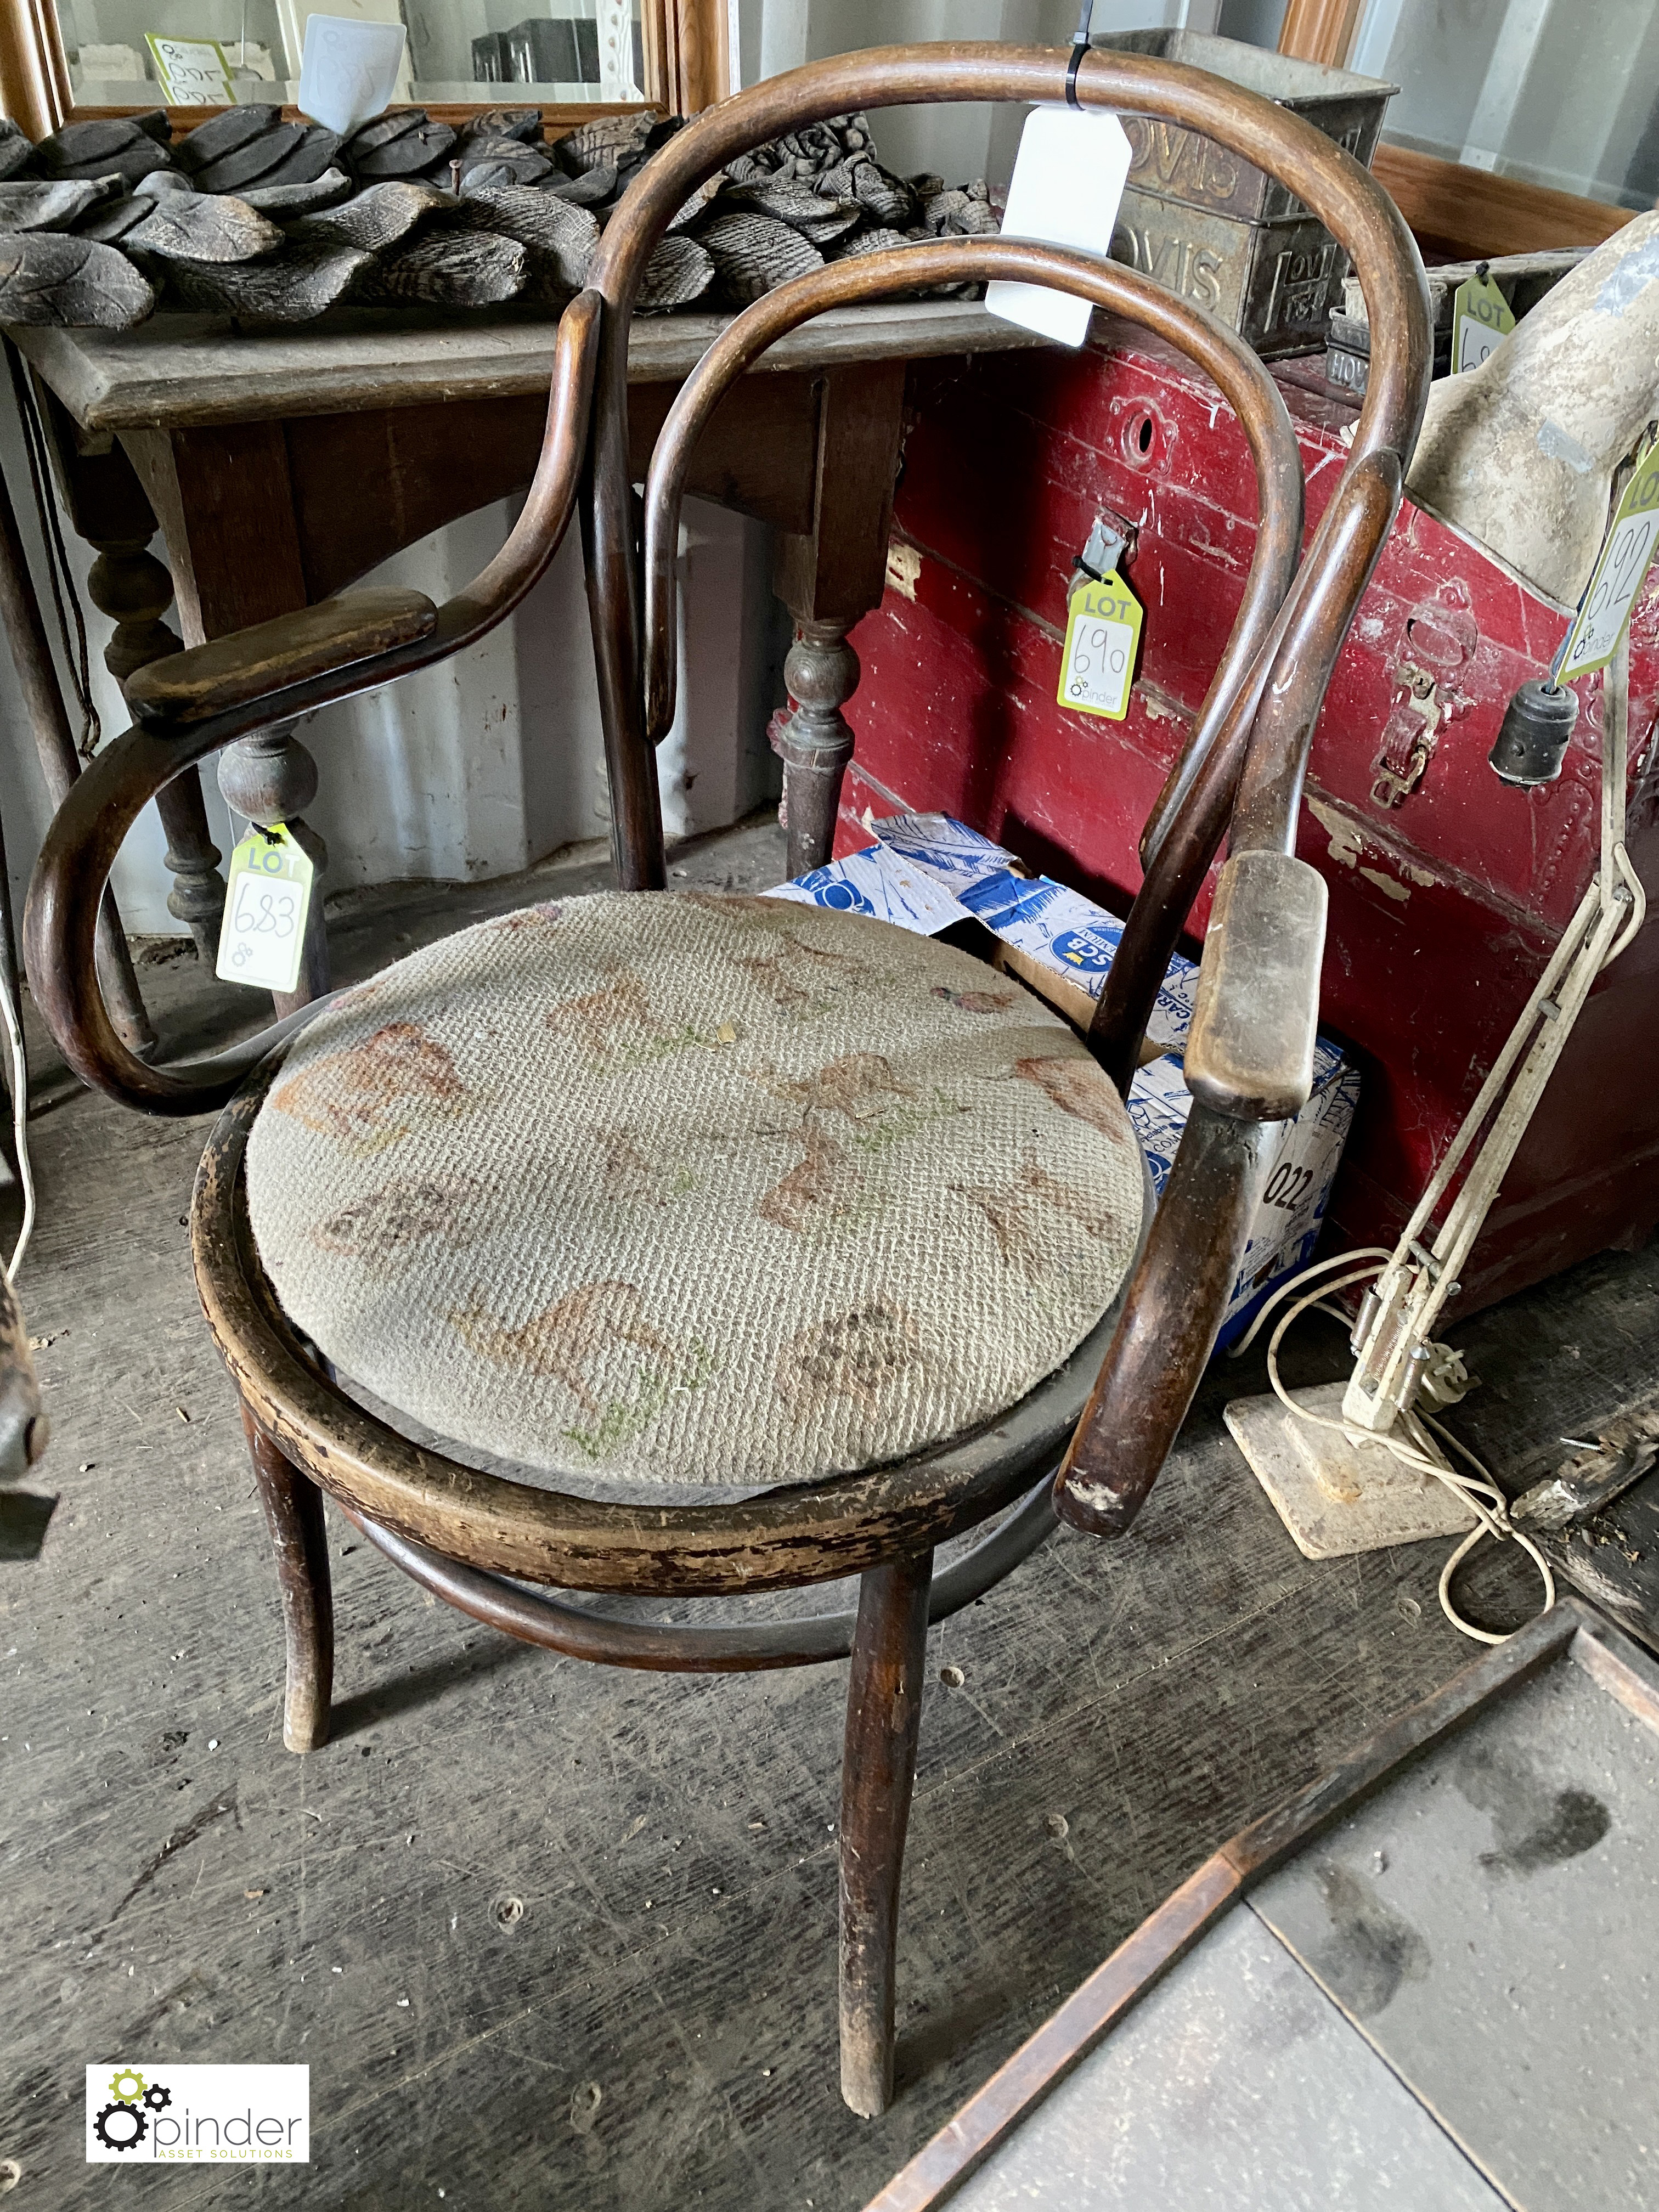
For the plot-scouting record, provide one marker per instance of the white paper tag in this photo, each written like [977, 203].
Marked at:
[348, 72]
[1068, 180]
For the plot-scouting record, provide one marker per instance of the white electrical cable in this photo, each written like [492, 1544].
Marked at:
[1319, 1267]
[19, 1123]
[1478, 1492]
[1483, 1635]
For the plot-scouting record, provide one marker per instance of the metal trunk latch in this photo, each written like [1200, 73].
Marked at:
[1409, 735]
[1439, 643]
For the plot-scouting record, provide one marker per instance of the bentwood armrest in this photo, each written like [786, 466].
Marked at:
[1250, 1051]
[212, 679]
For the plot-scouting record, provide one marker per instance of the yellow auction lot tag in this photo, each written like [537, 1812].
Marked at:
[1098, 663]
[263, 933]
[1481, 322]
[1627, 554]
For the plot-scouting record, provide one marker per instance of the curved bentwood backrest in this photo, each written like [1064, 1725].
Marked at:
[1240, 775]
[1230, 364]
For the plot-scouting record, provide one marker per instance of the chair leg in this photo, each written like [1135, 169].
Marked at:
[294, 1515]
[883, 1715]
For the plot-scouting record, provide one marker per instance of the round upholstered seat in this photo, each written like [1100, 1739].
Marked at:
[693, 1189]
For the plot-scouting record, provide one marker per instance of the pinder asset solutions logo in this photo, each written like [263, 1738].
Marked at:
[199, 2115]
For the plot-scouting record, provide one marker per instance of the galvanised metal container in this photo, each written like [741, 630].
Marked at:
[1203, 222]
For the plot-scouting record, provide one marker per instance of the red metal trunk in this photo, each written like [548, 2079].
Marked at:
[1448, 889]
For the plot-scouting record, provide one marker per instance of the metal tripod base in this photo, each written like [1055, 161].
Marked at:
[1335, 1496]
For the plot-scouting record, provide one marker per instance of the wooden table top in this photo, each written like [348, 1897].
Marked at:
[176, 371]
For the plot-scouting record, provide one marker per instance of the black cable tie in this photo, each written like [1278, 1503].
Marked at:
[1079, 47]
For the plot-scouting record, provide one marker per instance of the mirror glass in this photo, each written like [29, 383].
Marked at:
[128, 53]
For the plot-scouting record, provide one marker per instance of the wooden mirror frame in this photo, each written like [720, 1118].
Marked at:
[687, 66]
[1462, 212]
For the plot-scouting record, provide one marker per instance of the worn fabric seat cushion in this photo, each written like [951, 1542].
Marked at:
[696, 1189]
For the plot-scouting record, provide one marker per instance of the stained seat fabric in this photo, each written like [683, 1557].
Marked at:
[683, 1187]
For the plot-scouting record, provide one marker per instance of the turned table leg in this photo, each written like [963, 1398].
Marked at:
[130, 584]
[816, 743]
[878, 1769]
[111, 510]
[828, 577]
[298, 1536]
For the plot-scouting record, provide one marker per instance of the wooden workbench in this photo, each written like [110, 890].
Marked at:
[283, 467]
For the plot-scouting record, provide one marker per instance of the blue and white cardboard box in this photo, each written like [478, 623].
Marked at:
[926, 872]
[874, 882]
[1302, 1167]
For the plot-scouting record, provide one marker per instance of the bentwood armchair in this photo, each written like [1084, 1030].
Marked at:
[760, 1246]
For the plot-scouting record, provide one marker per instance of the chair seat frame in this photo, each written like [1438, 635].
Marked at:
[788, 1537]
[495, 1547]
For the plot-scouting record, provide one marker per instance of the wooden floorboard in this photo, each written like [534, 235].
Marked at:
[657, 2026]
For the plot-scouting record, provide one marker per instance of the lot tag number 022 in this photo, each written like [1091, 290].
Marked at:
[266, 900]
[1103, 632]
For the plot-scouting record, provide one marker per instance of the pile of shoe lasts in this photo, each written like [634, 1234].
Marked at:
[274, 222]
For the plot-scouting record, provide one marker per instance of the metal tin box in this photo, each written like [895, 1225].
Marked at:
[1205, 222]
